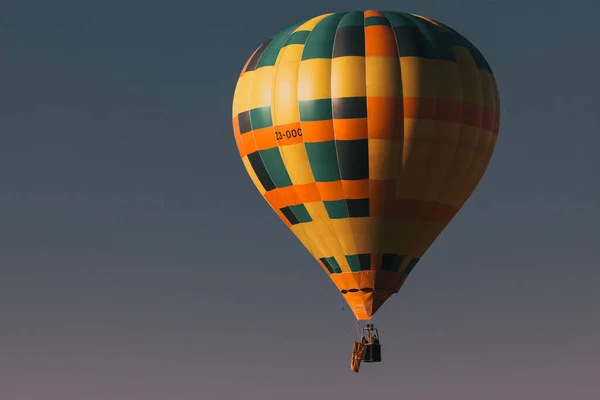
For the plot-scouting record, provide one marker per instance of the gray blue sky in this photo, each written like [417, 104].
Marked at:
[137, 260]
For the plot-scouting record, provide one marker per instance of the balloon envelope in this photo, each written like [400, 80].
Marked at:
[366, 132]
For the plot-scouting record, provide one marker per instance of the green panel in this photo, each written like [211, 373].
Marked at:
[391, 262]
[297, 38]
[435, 37]
[354, 263]
[320, 41]
[315, 110]
[269, 56]
[365, 261]
[411, 265]
[322, 157]
[301, 213]
[353, 18]
[261, 117]
[372, 21]
[409, 38]
[336, 209]
[274, 165]
[456, 39]
[397, 19]
[334, 265]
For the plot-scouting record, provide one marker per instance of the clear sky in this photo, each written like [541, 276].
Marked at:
[137, 260]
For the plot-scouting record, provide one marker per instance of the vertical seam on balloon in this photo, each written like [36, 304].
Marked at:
[273, 105]
[464, 176]
[250, 90]
[371, 267]
[401, 100]
[411, 241]
[494, 138]
[333, 118]
[402, 224]
[249, 95]
[469, 171]
[435, 112]
[333, 232]
[444, 185]
[334, 136]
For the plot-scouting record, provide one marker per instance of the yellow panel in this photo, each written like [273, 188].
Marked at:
[479, 163]
[316, 243]
[448, 81]
[489, 90]
[296, 162]
[470, 77]
[285, 91]
[385, 156]
[429, 78]
[241, 97]
[348, 77]
[356, 235]
[495, 90]
[367, 234]
[442, 150]
[300, 231]
[383, 76]
[395, 237]
[476, 169]
[417, 137]
[253, 176]
[466, 147]
[314, 79]
[310, 24]
[291, 53]
[422, 234]
[260, 90]
[317, 210]
[418, 79]
[323, 242]
[345, 235]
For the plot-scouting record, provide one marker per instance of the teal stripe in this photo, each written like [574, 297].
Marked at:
[320, 41]
[334, 265]
[397, 19]
[372, 21]
[336, 209]
[301, 213]
[261, 117]
[315, 110]
[391, 262]
[275, 167]
[456, 39]
[297, 38]
[269, 56]
[411, 265]
[354, 263]
[436, 38]
[353, 18]
[322, 158]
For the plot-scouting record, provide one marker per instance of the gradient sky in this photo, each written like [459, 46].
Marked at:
[138, 262]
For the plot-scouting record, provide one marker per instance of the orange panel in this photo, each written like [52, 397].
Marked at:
[350, 129]
[386, 117]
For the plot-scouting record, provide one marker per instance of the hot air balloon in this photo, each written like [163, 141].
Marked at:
[366, 132]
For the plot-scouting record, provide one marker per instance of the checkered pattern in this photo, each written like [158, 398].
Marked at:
[366, 132]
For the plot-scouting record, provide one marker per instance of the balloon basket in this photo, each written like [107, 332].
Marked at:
[368, 349]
